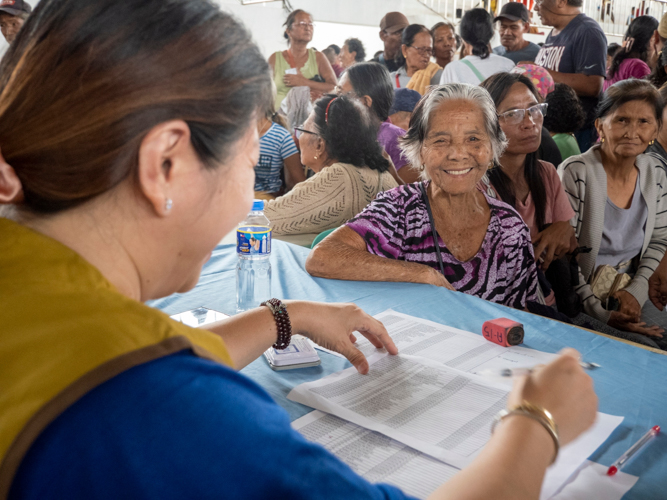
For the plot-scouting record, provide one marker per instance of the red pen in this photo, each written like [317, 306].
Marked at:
[634, 450]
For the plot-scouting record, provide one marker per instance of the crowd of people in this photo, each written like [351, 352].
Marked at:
[526, 175]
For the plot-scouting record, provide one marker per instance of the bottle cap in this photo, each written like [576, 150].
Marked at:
[258, 205]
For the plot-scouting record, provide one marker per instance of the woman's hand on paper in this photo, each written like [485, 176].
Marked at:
[565, 390]
[332, 325]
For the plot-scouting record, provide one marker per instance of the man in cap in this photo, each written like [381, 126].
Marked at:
[391, 29]
[514, 22]
[574, 53]
[657, 43]
[13, 14]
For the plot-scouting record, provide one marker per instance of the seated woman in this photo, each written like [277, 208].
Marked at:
[445, 43]
[120, 199]
[630, 61]
[278, 157]
[416, 70]
[443, 230]
[618, 196]
[480, 62]
[371, 83]
[339, 143]
[352, 52]
[299, 66]
[529, 185]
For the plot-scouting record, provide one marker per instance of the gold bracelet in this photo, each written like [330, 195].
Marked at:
[535, 412]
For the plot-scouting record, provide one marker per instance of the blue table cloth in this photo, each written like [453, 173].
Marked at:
[631, 380]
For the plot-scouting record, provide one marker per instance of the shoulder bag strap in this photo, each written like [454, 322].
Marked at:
[474, 70]
[433, 231]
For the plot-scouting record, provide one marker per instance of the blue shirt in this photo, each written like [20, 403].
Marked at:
[274, 147]
[182, 427]
[581, 47]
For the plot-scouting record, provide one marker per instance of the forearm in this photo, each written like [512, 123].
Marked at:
[332, 259]
[511, 466]
[247, 335]
[583, 85]
[320, 86]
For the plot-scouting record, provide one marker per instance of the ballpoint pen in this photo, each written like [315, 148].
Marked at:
[517, 372]
[634, 450]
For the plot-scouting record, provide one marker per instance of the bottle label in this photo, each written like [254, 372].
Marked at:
[253, 240]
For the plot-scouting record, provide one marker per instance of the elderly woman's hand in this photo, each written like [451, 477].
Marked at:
[332, 326]
[657, 286]
[565, 390]
[552, 243]
[625, 323]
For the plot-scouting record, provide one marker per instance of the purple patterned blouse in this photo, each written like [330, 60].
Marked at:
[395, 225]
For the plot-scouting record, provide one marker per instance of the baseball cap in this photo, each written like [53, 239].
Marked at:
[662, 27]
[15, 7]
[404, 100]
[393, 22]
[514, 11]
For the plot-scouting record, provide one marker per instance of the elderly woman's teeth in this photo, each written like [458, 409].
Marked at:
[458, 172]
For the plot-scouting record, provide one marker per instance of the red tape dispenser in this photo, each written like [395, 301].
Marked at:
[503, 331]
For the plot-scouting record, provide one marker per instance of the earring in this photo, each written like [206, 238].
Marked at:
[315, 157]
[422, 168]
[652, 142]
[168, 204]
[602, 140]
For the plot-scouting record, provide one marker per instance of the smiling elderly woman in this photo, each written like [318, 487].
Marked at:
[483, 247]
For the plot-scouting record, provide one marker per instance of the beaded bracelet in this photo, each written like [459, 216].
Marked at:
[283, 323]
[535, 412]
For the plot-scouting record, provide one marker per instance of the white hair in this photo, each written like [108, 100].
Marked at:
[412, 142]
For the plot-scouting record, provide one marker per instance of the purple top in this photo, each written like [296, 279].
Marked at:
[388, 137]
[629, 68]
[395, 225]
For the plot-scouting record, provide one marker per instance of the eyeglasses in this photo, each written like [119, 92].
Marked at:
[516, 116]
[298, 131]
[423, 51]
[303, 24]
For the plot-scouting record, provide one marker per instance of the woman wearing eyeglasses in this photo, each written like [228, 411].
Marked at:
[339, 143]
[299, 66]
[416, 70]
[476, 30]
[530, 185]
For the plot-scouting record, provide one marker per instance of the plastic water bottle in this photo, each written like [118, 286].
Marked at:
[253, 271]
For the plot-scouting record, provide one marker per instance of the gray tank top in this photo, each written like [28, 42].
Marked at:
[623, 234]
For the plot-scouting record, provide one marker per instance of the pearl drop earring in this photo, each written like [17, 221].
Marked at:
[168, 204]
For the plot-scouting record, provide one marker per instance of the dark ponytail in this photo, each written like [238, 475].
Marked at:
[349, 132]
[639, 34]
[476, 29]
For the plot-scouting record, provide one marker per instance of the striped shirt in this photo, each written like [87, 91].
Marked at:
[274, 146]
[585, 182]
[396, 226]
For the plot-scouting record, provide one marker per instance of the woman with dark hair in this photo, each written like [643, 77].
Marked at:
[476, 30]
[529, 185]
[352, 52]
[370, 82]
[619, 197]
[119, 187]
[299, 66]
[564, 118]
[630, 60]
[445, 43]
[416, 70]
[339, 143]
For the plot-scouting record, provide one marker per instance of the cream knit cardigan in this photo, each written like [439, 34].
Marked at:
[585, 183]
[326, 200]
